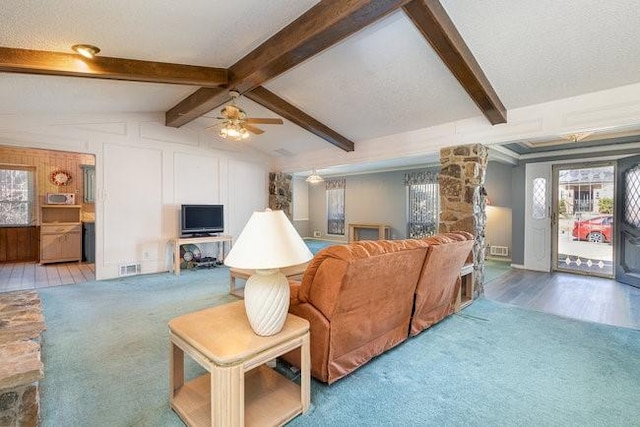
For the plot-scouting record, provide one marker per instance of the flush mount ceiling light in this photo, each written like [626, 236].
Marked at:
[314, 178]
[86, 50]
[577, 137]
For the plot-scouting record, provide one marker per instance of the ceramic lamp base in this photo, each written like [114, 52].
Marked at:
[266, 301]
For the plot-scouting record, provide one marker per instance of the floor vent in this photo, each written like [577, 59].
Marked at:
[129, 269]
[499, 250]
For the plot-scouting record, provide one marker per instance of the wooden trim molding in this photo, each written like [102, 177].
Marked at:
[70, 64]
[435, 25]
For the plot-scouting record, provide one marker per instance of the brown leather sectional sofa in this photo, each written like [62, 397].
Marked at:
[366, 297]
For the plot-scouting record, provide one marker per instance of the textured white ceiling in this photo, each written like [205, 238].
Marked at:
[542, 50]
[381, 81]
[198, 32]
[24, 94]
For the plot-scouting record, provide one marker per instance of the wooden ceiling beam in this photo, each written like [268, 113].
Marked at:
[273, 102]
[28, 61]
[322, 26]
[435, 25]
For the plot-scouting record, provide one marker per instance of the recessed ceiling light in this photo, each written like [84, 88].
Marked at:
[86, 50]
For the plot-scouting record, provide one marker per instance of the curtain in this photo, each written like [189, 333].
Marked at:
[423, 203]
[335, 206]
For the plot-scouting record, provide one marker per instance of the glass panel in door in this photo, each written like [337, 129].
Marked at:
[628, 216]
[585, 237]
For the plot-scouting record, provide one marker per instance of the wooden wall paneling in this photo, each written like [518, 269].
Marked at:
[19, 244]
[3, 244]
[12, 244]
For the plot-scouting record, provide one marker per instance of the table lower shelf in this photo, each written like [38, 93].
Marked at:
[270, 399]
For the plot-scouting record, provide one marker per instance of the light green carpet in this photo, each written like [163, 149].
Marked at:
[106, 364]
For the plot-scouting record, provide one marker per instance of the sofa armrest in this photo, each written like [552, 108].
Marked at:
[294, 292]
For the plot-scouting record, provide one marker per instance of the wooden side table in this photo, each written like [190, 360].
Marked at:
[354, 231]
[239, 389]
[465, 295]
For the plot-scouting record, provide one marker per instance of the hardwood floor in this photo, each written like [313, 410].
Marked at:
[581, 297]
[30, 275]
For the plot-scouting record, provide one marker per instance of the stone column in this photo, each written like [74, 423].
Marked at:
[462, 199]
[280, 192]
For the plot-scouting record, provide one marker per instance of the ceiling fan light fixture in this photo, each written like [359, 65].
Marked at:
[87, 50]
[233, 131]
[235, 124]
[314, 178]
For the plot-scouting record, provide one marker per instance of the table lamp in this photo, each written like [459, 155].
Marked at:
[267, 243]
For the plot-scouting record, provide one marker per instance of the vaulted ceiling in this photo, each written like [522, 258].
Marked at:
[348, 72]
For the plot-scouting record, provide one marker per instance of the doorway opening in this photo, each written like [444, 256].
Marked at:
[583, 224]
[47, 217]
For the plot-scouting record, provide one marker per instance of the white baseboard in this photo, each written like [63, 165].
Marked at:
[520, 266]
[494, 258]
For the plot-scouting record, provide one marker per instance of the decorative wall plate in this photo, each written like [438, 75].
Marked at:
[60, 177]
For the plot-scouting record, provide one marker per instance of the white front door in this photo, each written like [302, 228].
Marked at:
[537, 222]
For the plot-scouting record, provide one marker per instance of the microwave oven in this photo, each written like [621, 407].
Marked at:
[61, 199]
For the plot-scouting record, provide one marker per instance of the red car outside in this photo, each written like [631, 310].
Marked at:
[596, 229]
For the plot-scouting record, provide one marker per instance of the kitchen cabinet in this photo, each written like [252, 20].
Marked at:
[60, 234]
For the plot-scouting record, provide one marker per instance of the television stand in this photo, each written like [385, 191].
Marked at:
[220, 240]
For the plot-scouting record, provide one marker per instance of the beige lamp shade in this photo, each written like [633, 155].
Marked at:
[268, 241]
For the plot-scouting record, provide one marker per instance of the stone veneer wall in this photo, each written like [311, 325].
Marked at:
[280, 192]
[21, 324]
[462, 198]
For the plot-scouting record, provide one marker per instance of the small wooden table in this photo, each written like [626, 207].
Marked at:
[241, 273]
[177, 242]
[354, 231]
[239, 389]
[465, 295]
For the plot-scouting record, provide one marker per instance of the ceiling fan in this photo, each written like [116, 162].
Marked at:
[235, 124]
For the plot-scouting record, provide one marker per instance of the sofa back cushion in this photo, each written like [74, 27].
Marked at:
[366, 291]
[326, 274]
[439, 281]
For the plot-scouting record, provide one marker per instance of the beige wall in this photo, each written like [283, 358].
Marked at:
[498, 228]
[378, 198]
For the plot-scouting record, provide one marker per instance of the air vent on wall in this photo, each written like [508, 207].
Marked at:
[129, 269]
[499, 250]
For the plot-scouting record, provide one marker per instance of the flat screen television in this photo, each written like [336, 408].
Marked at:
[201, 219]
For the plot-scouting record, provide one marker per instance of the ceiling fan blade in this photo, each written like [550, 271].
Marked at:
[253, 129]
[265, 121]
